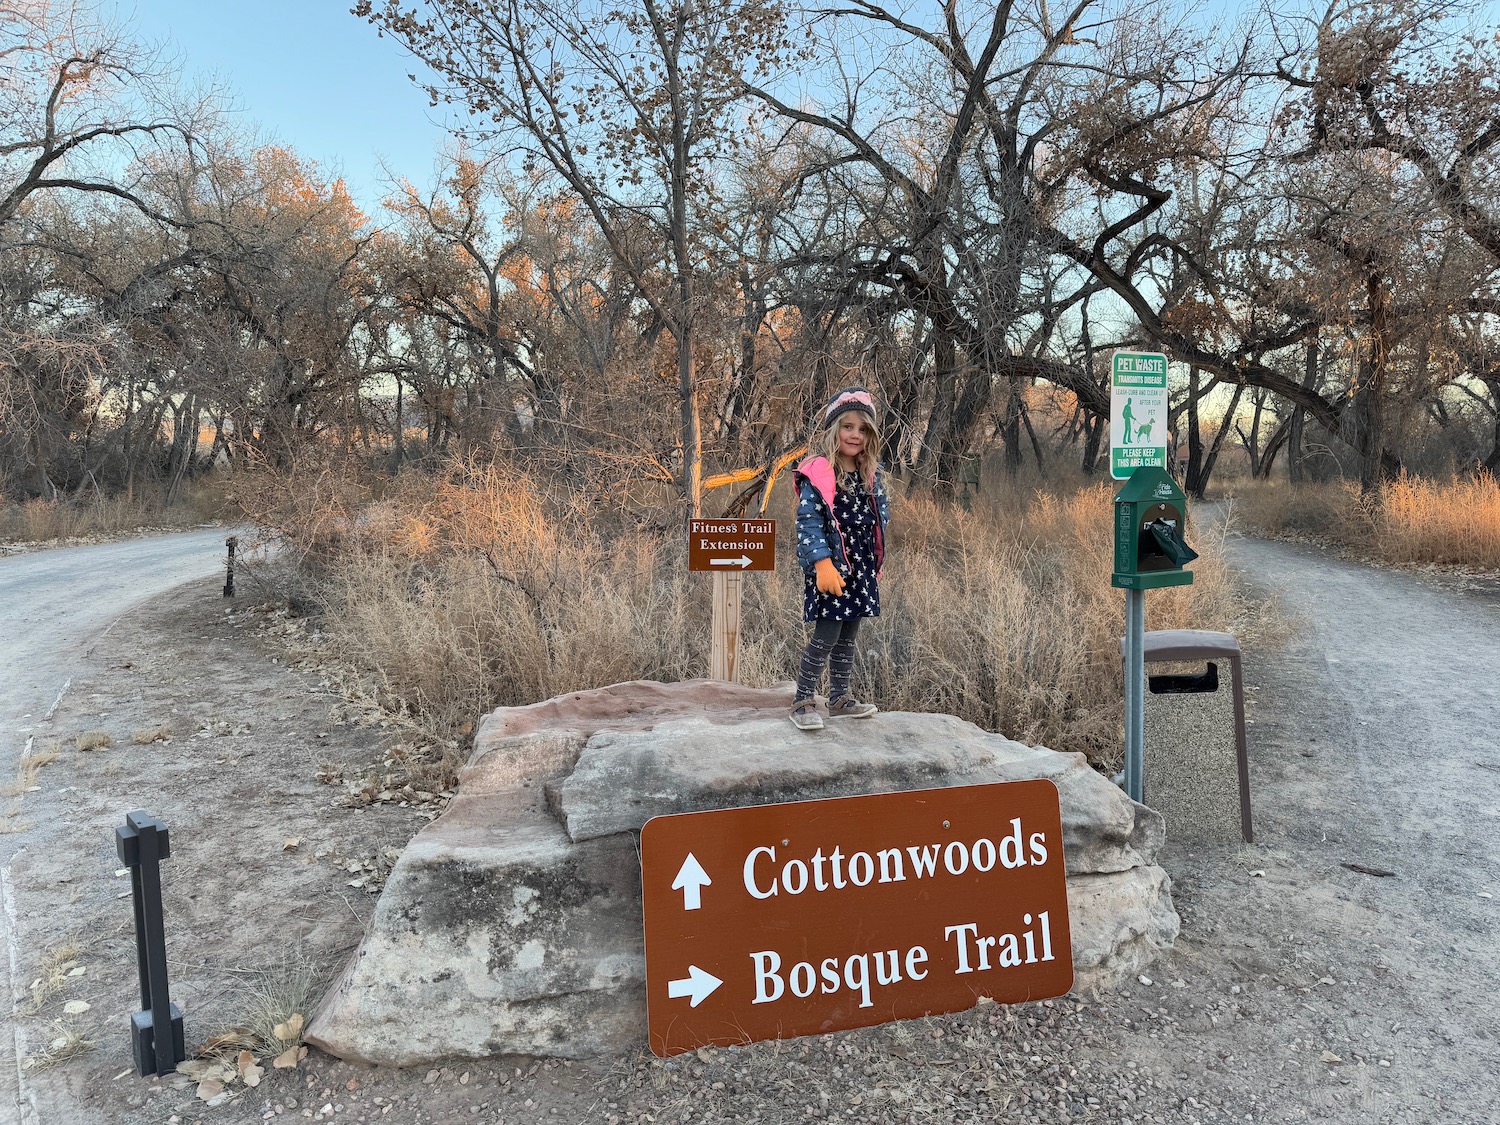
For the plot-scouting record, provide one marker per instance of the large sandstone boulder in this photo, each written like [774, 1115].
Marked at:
[512, 923]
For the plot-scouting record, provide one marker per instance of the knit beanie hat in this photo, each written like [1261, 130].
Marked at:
[850, 398]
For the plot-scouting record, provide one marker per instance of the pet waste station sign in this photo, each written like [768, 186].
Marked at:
[1137, 412]
[731, 546]
[819, 916]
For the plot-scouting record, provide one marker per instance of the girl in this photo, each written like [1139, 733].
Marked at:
[842, 510]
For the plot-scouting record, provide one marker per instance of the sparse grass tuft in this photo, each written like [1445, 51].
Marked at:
[277, 1010]
[53, 976]
[66, 1043]
[10, 825]
[94, 740]
[29, 769]
[147, 735]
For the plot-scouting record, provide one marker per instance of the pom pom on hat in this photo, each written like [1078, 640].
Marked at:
[850, 398]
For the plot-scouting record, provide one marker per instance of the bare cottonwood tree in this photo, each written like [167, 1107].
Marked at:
[629, 105]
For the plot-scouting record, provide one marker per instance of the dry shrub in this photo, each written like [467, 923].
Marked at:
[1455, 521]
[1327, 511]
[46, 521]
[310, 506]
[1007, 618]
[1411, 520]
[471, 594]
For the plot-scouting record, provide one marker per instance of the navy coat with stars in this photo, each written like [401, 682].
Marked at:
[818, 533]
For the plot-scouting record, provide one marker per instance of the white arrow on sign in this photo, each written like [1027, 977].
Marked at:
[741, 562]
[691, 879]
[697, 984]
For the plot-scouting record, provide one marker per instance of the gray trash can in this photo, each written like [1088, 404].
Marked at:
[1196, 770]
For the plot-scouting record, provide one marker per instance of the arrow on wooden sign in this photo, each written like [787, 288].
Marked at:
[697, 984]
[691, 879]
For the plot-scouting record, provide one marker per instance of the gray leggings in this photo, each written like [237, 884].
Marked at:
[832, 644]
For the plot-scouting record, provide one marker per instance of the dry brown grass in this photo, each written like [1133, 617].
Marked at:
[53, 975]
[28, 770]
[1007, 618]
[471, 594]
[66, 1043]
[1456, 521]
[1413, 521]
[11, 822]
[49, 521]
[1329, 511]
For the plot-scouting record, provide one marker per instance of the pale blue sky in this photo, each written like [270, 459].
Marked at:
[308, 74]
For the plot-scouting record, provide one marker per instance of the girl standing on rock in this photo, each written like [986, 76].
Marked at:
[842, 510]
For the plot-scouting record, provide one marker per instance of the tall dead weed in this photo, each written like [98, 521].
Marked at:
[1411, 521]
[471, 592]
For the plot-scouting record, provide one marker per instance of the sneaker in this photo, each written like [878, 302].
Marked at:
[850, 708]
[804, 715]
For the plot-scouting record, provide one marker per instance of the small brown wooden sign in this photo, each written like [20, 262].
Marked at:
[731, 546]
[818, 916]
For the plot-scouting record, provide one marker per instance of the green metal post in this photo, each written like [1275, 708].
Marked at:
[1135, 691]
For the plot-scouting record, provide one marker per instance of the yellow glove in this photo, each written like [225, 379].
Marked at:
[830, 581]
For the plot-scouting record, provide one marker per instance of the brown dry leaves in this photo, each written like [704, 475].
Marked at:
[217, 1072]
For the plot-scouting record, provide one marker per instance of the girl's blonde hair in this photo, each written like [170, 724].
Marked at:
[869, 457]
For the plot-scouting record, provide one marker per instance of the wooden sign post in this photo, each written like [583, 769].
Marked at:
[724, 648]
[727, 548]
[818, 916]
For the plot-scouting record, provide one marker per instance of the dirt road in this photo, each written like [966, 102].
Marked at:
[54, 605]
[1301, 989]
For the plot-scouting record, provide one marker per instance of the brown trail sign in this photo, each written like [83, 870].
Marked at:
[818, 916]
[727, 548]
[731, 546]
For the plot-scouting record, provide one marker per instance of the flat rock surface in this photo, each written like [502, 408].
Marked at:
[515, 925]
[622, 778]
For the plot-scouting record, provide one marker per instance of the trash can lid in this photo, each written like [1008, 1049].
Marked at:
[1188, 644]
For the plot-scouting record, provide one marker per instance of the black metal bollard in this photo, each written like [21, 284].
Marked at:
[231, 543]
[142, 844]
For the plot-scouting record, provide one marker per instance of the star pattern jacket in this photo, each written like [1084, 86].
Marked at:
[818, 533]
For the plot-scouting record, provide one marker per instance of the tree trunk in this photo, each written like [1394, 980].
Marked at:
[1011, 430]
[1296, 472]
[1094, 426]
[1491, 464]
[1217, 445]
[899, 430]
[184, 445]
[42, 482]
[400, 426]
[1273, 447]
[1365, 417]
[929, 458]
[1036, 445]
[1192, 473]
[973, 400]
